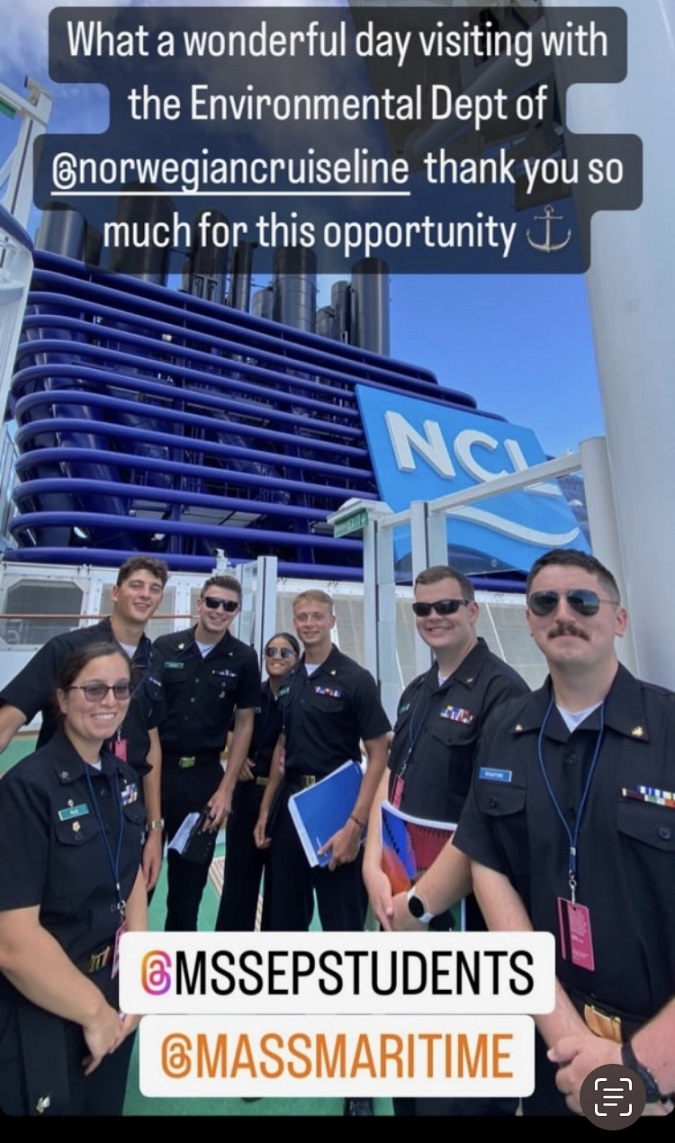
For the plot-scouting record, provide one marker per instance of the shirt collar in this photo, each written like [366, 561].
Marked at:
[467, 671]
[624, 711]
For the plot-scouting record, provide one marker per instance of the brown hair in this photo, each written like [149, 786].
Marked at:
[573, 558]
[143, 563]
[443, 571]
[75, 662]
[226, 582]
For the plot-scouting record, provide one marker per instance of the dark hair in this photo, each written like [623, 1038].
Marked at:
[444, 571]
[573, 558]
[77, 660]
[143, 563]
[226, 582]
[289, 639]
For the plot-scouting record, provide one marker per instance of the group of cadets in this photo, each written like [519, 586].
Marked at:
[565, 795]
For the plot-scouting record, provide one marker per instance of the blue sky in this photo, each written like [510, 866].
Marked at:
[521, 345]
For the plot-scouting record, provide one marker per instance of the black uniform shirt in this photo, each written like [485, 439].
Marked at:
[327, 713]
[266, 731]
[437, 731]
[52, 848]
[33, 688]
[201, 694]
[626, 848]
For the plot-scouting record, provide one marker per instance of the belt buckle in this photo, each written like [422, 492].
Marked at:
[99, 960]
[186, 762]
[261, 781]
[308, 780]
[602, 1024]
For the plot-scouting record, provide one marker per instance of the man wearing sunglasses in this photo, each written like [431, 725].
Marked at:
[135, 597]
[570, 827]
[439, 720]
[207, 676]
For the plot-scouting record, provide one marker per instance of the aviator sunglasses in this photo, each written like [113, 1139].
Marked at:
[284, 652]
[581, 599]
[441, 607]
[213, 604]
[94, 692]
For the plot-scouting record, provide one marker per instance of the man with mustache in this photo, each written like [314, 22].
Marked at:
[570, 827]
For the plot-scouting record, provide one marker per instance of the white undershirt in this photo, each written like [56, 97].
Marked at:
[130, 648]
[574, 718]
[204, 648]
[312, 667]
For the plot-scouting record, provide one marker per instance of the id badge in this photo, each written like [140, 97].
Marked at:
[397, 791]
[116, 952]
[120, 749]
[576, 938]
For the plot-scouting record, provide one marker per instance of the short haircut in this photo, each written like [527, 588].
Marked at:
[143, 563]
[573, 558]
[314, 595]
[443, 571]
[226, 582]
[77, 660]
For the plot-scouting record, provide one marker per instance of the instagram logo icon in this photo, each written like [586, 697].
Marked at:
[155, 975]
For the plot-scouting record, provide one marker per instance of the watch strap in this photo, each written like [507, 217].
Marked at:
[417, 908]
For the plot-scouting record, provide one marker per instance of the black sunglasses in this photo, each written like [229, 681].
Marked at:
[94, 692]
[581, 599]
[213, 604]
[284, 652]
[441, 607]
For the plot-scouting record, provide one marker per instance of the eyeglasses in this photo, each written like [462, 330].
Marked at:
[213, 604]
[284, 652]
[94, 692]
[581, 599]
[441, 607]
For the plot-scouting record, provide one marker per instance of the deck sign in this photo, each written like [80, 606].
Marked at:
[422, 450]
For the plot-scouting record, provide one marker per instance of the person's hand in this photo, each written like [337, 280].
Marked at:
[576, 1056]
[128, 1023]
[102, 1036]
[403, 920]
[151, 861]
[246, 772]
[259, 831]
[379, 894]
[218, 808]
[343, 846]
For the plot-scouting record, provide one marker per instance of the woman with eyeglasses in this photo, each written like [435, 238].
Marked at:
[244, 862]
[71, 830]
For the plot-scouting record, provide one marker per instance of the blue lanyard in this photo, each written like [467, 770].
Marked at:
[414, 733]
[572, 837]
[114, 861]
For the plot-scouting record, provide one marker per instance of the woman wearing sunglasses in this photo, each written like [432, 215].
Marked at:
[71, 829]
[244, 862]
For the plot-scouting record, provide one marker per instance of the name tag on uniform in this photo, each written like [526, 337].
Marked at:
[495, 775]
[405, 707]
[174, 666]
[129, 794]
[73, 812]
[457, 714]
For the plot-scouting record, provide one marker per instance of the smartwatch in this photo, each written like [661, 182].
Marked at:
[630, 1060]
[417, 909]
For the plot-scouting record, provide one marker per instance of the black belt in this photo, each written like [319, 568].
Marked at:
[190, 761]
[302, 781]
